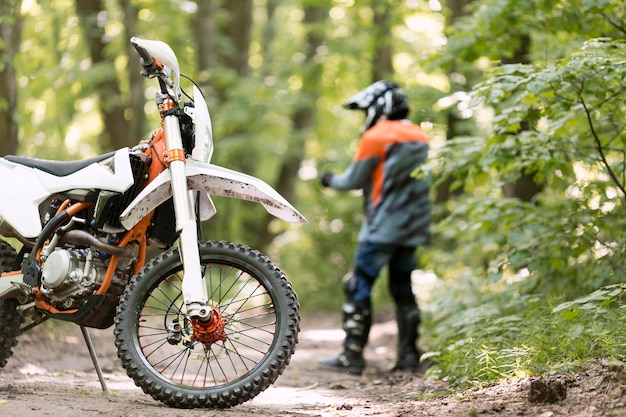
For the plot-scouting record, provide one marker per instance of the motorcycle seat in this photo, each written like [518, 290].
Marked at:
[57, 168]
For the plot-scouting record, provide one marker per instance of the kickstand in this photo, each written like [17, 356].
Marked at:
[94, 359]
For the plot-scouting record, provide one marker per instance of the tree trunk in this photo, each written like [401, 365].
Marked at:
[270, 27]
[382, 66]
[525, 188]
[304, 116]
[206, 26]
[111, 107]
[10, 32]
[457, 9]
[269, 32]
[224, 45]
[135, 114]
[238, 31]
[302, 120]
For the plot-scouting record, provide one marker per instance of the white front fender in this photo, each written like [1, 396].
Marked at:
[214, 181]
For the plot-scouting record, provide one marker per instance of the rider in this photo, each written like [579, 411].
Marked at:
[397, 220]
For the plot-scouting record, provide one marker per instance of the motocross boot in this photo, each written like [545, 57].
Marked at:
[408, 320]
[357, 321]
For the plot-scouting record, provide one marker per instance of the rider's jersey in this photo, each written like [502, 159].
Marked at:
[397, 205]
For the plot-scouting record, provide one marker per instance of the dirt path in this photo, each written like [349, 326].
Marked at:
[56, 378]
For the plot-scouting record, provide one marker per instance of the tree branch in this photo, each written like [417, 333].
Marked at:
[600, 149]
[614, 24]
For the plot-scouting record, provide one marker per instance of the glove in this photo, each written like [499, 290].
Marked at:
[325, 179]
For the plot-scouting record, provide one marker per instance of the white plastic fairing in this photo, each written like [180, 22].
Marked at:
[203, 149]
[94, 176]
[156, 193]
[20, 196]
[215, 181]
[24, 189]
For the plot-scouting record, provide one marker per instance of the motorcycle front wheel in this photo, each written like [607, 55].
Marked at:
[219, 363]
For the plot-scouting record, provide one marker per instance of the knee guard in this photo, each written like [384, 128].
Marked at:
[357, 286]
[349, 285]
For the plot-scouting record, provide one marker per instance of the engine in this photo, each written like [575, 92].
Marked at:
[70, 276]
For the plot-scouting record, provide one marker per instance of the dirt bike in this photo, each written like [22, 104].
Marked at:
[201, 324]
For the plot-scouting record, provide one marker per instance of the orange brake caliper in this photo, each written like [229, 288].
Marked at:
[210, 331]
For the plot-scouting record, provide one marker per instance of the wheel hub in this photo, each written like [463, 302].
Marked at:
[209, 331]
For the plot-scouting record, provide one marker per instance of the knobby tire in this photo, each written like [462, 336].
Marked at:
[10, 318]
[259, 322]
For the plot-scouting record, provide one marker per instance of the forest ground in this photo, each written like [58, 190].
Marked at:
[51, 374]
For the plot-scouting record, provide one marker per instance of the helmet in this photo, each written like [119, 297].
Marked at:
[383, 98]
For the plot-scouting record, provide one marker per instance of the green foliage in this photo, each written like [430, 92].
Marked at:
[498, 332]
[576, 149]
[507, 263]
[492, 29]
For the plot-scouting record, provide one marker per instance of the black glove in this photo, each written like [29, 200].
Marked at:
[325, 179]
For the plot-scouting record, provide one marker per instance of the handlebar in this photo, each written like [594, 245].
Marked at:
[159, 61]
[143, 53]
[148, 64]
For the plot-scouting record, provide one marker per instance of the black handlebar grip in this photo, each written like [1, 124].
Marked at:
[146, 61]
[143, 53]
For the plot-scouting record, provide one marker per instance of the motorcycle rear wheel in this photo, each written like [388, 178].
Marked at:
[219, 364]
[10, 318]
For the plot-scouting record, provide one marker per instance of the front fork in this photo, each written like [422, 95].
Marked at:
[194, 287]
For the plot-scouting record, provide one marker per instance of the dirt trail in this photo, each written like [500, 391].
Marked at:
[56, 378]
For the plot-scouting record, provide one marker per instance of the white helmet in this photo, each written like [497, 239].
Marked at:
[383, 98]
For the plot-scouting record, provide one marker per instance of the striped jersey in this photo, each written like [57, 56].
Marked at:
[397, 205]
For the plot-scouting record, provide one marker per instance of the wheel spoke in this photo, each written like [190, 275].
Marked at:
[227, 355]
[250, 322]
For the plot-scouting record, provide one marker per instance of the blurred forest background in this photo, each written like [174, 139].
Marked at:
[522, 99]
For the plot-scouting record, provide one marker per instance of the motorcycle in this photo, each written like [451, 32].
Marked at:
[203, 323]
